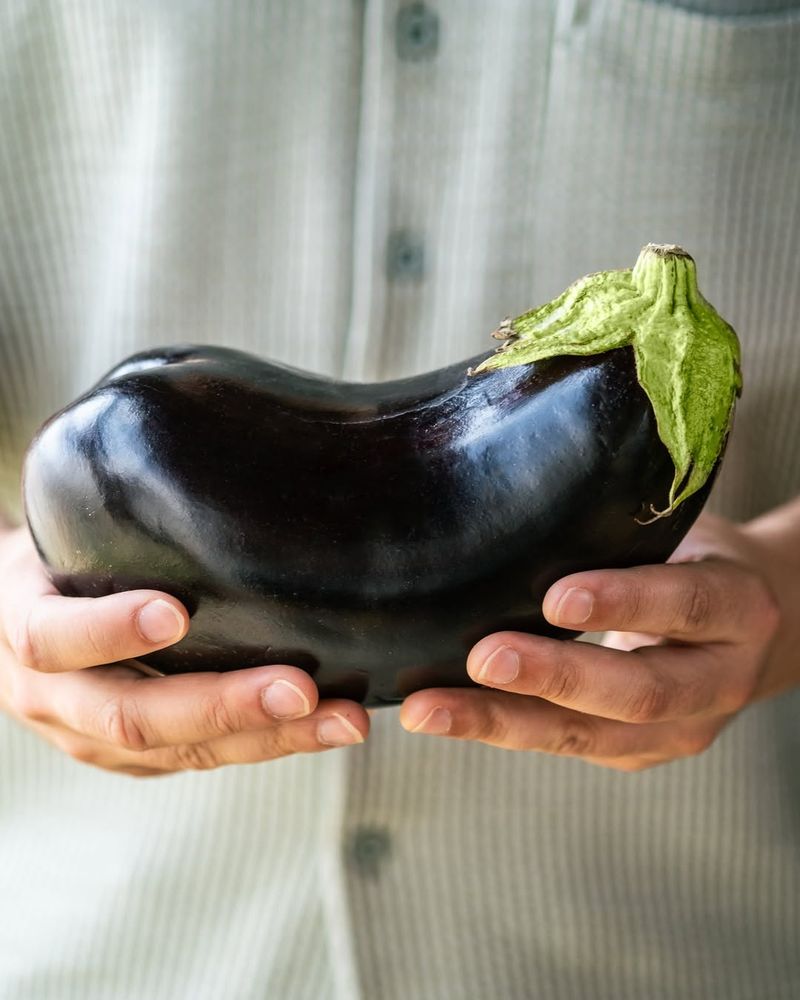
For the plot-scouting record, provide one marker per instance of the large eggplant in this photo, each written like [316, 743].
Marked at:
[369, 533]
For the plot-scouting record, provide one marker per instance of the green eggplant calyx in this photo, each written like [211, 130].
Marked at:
[687, 356]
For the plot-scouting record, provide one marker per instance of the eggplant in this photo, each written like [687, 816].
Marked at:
[370, 534]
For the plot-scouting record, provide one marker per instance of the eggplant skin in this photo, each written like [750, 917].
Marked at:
[370, 534]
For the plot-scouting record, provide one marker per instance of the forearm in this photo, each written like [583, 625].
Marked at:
[780, 527]
[777, 534]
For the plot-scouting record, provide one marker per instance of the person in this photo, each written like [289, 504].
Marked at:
[365, 189]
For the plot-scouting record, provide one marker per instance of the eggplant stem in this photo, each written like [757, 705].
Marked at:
[687, 355]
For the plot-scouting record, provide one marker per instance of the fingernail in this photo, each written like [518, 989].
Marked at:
[337, 731]
[158, 621]
[436, 723]
[285, 700]
[575, 607]
[501, 667]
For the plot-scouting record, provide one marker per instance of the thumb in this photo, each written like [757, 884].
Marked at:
[54, 633]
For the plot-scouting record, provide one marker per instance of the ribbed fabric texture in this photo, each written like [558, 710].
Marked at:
[296, 179]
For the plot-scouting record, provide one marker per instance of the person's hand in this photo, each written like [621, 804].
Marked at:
[114, 717]
[693, 642]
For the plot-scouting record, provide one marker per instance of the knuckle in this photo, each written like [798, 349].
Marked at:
[120, 723]
[195, 757]
[631, 604]
[279, 742]
[96, 644]
[576, 739]
[25, 704]
[693, 744]
[650, 701]
[217, 716]
[694, 607]
[26, 644]
[563, 683]
[737, 695]
[492, 727]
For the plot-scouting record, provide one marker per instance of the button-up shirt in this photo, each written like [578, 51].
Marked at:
[364, 189]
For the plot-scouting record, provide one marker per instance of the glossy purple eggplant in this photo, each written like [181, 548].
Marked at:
[369, 534]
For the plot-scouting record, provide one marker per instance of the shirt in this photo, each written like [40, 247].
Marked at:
[364, 189]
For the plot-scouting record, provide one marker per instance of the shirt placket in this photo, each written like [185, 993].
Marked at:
[388, 252]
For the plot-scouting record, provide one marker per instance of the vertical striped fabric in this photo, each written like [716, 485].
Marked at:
[238, 174]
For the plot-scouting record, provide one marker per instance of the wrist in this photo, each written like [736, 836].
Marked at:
[775, 541]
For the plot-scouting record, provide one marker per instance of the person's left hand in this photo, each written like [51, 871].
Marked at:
[691, 646]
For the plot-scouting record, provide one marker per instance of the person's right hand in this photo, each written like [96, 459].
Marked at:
[53, 678]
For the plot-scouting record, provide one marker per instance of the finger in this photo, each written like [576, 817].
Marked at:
[713, 600]
[128, 711]
[513, 722]
[335, 723]
[51, 633]
[649, 684]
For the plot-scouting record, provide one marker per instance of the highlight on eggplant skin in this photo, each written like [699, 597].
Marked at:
[370, 534]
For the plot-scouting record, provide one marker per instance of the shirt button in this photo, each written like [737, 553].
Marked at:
[405, 256]
[416, 32]
[369, 847]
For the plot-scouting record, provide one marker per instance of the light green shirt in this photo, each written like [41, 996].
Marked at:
[364, 189]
